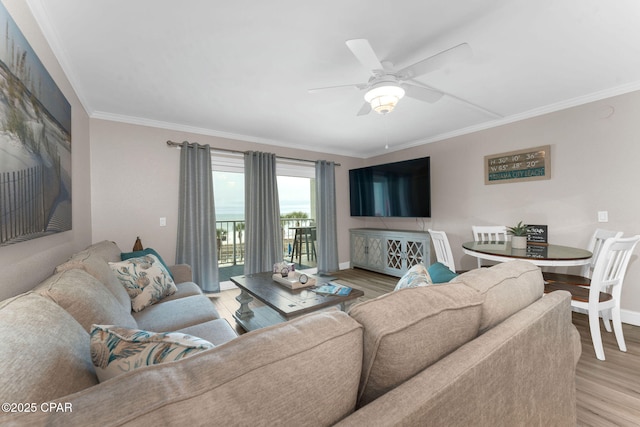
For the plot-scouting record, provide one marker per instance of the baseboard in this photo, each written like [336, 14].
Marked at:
[630, 317]
[627, 316]
[345, 265]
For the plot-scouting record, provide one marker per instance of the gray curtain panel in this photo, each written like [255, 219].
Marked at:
[197, 216]
[327, 234]
[263, 241]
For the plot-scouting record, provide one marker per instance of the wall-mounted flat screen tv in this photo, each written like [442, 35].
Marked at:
[400, 189]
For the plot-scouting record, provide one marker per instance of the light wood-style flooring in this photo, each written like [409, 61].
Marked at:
[608, 392]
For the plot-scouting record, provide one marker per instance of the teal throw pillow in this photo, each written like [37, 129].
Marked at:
[137, 254]
[440, 273]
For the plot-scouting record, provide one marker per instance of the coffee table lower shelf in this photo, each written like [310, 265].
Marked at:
[261, 317]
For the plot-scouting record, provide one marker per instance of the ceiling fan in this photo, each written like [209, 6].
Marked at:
[387, 86]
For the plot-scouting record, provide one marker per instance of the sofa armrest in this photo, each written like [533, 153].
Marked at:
[181, 273]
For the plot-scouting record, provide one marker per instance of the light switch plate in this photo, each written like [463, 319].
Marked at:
[603, 216]
[163, 222]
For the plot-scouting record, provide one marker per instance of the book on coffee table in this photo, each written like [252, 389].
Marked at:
[332, 288]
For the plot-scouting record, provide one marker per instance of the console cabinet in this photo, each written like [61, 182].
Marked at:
[391, 252]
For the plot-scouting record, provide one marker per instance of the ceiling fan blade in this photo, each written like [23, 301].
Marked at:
[365, 109]
[365, 54]
[358, 86]
[422, 93]
[456, 53]
[415, 91]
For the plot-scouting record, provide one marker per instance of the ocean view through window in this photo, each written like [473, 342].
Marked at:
[294, 194]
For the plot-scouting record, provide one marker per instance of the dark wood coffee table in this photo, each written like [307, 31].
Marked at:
[281, 303]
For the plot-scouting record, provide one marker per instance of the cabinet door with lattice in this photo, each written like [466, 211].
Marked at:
[414, 251]
[359, 250]
[391, 252]
[395, 255]
[375, 252]
[367, 251]
[403, 252]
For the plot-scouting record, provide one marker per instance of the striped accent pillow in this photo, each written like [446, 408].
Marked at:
[418, 275]
[116, 350]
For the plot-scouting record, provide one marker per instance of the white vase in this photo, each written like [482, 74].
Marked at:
[519, 242]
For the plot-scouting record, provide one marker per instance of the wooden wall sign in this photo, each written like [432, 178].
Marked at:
[515, 166]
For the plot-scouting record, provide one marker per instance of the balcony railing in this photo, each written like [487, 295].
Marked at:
[230, 239]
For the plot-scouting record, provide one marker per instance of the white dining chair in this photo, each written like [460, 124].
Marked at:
[603, 294]
[442, 248]
[584, 278]
[489, 233]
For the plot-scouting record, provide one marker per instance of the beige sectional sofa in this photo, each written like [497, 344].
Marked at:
[485, 349]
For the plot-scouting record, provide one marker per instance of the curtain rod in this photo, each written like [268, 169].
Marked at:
[177, 144]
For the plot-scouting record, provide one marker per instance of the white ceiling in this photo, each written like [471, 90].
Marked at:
[241, 69]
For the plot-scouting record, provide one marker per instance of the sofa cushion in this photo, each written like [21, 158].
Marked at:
[181, 273]
[306, 371]
[107, 250]
[176, 314]
[99, 268]
[148, 251]
[44, 353]
[185, 289]
[116, 350]
[146, 280]
[408, 330]
[415, 276]
[507, 288]
[216, 331]
[86, 299]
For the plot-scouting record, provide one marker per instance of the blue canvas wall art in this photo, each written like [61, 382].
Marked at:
[35, 143]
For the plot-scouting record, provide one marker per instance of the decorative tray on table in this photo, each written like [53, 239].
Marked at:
[295, 280]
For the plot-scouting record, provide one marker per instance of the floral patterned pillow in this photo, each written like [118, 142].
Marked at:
[116, 350]
[146, 280]
[416, 276]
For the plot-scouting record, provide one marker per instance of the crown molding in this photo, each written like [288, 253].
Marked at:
[536, 112]
[212, 132]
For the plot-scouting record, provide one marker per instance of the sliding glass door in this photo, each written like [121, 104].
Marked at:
[296, 188]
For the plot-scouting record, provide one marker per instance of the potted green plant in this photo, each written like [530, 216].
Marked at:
[518, 235]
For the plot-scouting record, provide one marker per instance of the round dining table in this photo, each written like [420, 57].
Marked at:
[546, 255]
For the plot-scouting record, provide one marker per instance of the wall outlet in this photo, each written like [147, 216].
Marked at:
[163, 222]
[603, 216]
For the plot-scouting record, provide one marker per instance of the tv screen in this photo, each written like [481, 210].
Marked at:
[400, 189]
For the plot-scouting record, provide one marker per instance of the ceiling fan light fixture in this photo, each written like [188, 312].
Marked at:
[383, 99]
